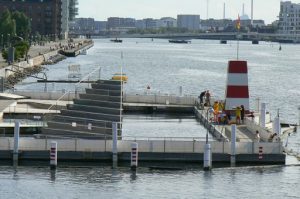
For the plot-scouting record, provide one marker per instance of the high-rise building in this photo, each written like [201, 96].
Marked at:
[289, 18]
[48, 17]
[190, 22]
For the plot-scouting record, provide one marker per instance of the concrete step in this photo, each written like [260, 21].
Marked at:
[94, 109]
[89, 102]
[60, 133]
[106, 87]
[83, 121]
[110, 82]
[103, 92]
[100, 97]
[97, 116]
[79, 127]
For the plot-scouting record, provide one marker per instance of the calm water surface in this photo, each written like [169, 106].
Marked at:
[274, 77]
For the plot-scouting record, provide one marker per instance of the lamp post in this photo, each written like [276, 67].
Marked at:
[8, 38]
[207, 156]
[209, 110]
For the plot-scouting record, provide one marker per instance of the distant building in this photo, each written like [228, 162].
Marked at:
[151, 23]
[190, 22]
[140, 24]
[215, 25]
[48, 17]
[117, 23]
[167, 22]
[82, 26]
[289, 18]
[100, 26]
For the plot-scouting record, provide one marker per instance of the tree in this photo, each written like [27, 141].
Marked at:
[7, 26]
[23, 25]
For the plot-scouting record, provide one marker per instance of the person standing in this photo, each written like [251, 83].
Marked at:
[242, 113]
[202, 96]
[207, 98]
[238, 115]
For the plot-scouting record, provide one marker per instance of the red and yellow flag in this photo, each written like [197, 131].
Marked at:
[238, 23]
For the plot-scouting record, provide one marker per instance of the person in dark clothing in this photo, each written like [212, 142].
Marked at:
[202, 96]
[242, 113]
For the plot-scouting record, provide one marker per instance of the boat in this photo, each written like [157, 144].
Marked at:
[179, 41]
[223, 42]
[255, 42]
[119, 76]
[116, 40]
[83, 52]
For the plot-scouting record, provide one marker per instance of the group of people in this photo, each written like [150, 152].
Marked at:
[205, 95]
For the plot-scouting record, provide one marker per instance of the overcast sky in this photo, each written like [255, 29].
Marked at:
[102, 9]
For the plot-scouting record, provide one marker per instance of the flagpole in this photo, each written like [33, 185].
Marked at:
[238, 26]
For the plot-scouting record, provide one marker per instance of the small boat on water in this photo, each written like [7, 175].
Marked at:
[116, 40]
[179, 41]
[223, 42]
[119, 76]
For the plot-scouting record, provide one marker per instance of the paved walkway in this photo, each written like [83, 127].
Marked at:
[35, 50]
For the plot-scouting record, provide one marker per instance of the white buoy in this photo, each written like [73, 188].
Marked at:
[16, 143]
[53, 155]
[134, 155]
[207, 159]
[115, 144]
[233, 145]
[262, 117]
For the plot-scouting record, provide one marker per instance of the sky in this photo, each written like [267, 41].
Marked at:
[267, 10]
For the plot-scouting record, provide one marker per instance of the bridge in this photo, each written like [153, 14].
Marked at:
[282, 38]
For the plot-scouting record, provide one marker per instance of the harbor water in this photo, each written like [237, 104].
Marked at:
[274, 77]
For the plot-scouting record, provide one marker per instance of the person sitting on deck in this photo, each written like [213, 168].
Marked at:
[216, 111]
[242, 113]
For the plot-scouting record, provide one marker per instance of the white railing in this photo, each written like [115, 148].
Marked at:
[156, 146]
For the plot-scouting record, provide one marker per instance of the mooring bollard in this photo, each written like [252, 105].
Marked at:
[53, 155]
[134, 156]
[207, 162]
[262, 117]
[16, 143]
[115, 144]
[233, 145]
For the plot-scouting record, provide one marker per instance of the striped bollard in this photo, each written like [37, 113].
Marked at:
[53, 155]
[237, 90]
[134, 156]
[260, 153]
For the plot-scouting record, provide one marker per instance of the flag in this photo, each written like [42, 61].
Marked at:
[238, 23]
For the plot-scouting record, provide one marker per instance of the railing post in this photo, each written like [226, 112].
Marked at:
[233, 145]
[16, 143]
[115, 144]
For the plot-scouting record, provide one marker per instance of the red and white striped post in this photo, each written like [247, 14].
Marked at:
[134, 156]
[53, 155]
[237, 90]
[260, 153]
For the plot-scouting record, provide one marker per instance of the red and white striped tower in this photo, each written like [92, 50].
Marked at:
[237, 90]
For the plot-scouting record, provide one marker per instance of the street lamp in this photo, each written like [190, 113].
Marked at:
[209, 110]
[8, 38]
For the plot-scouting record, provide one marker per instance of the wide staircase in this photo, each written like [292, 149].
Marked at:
[92, 115]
